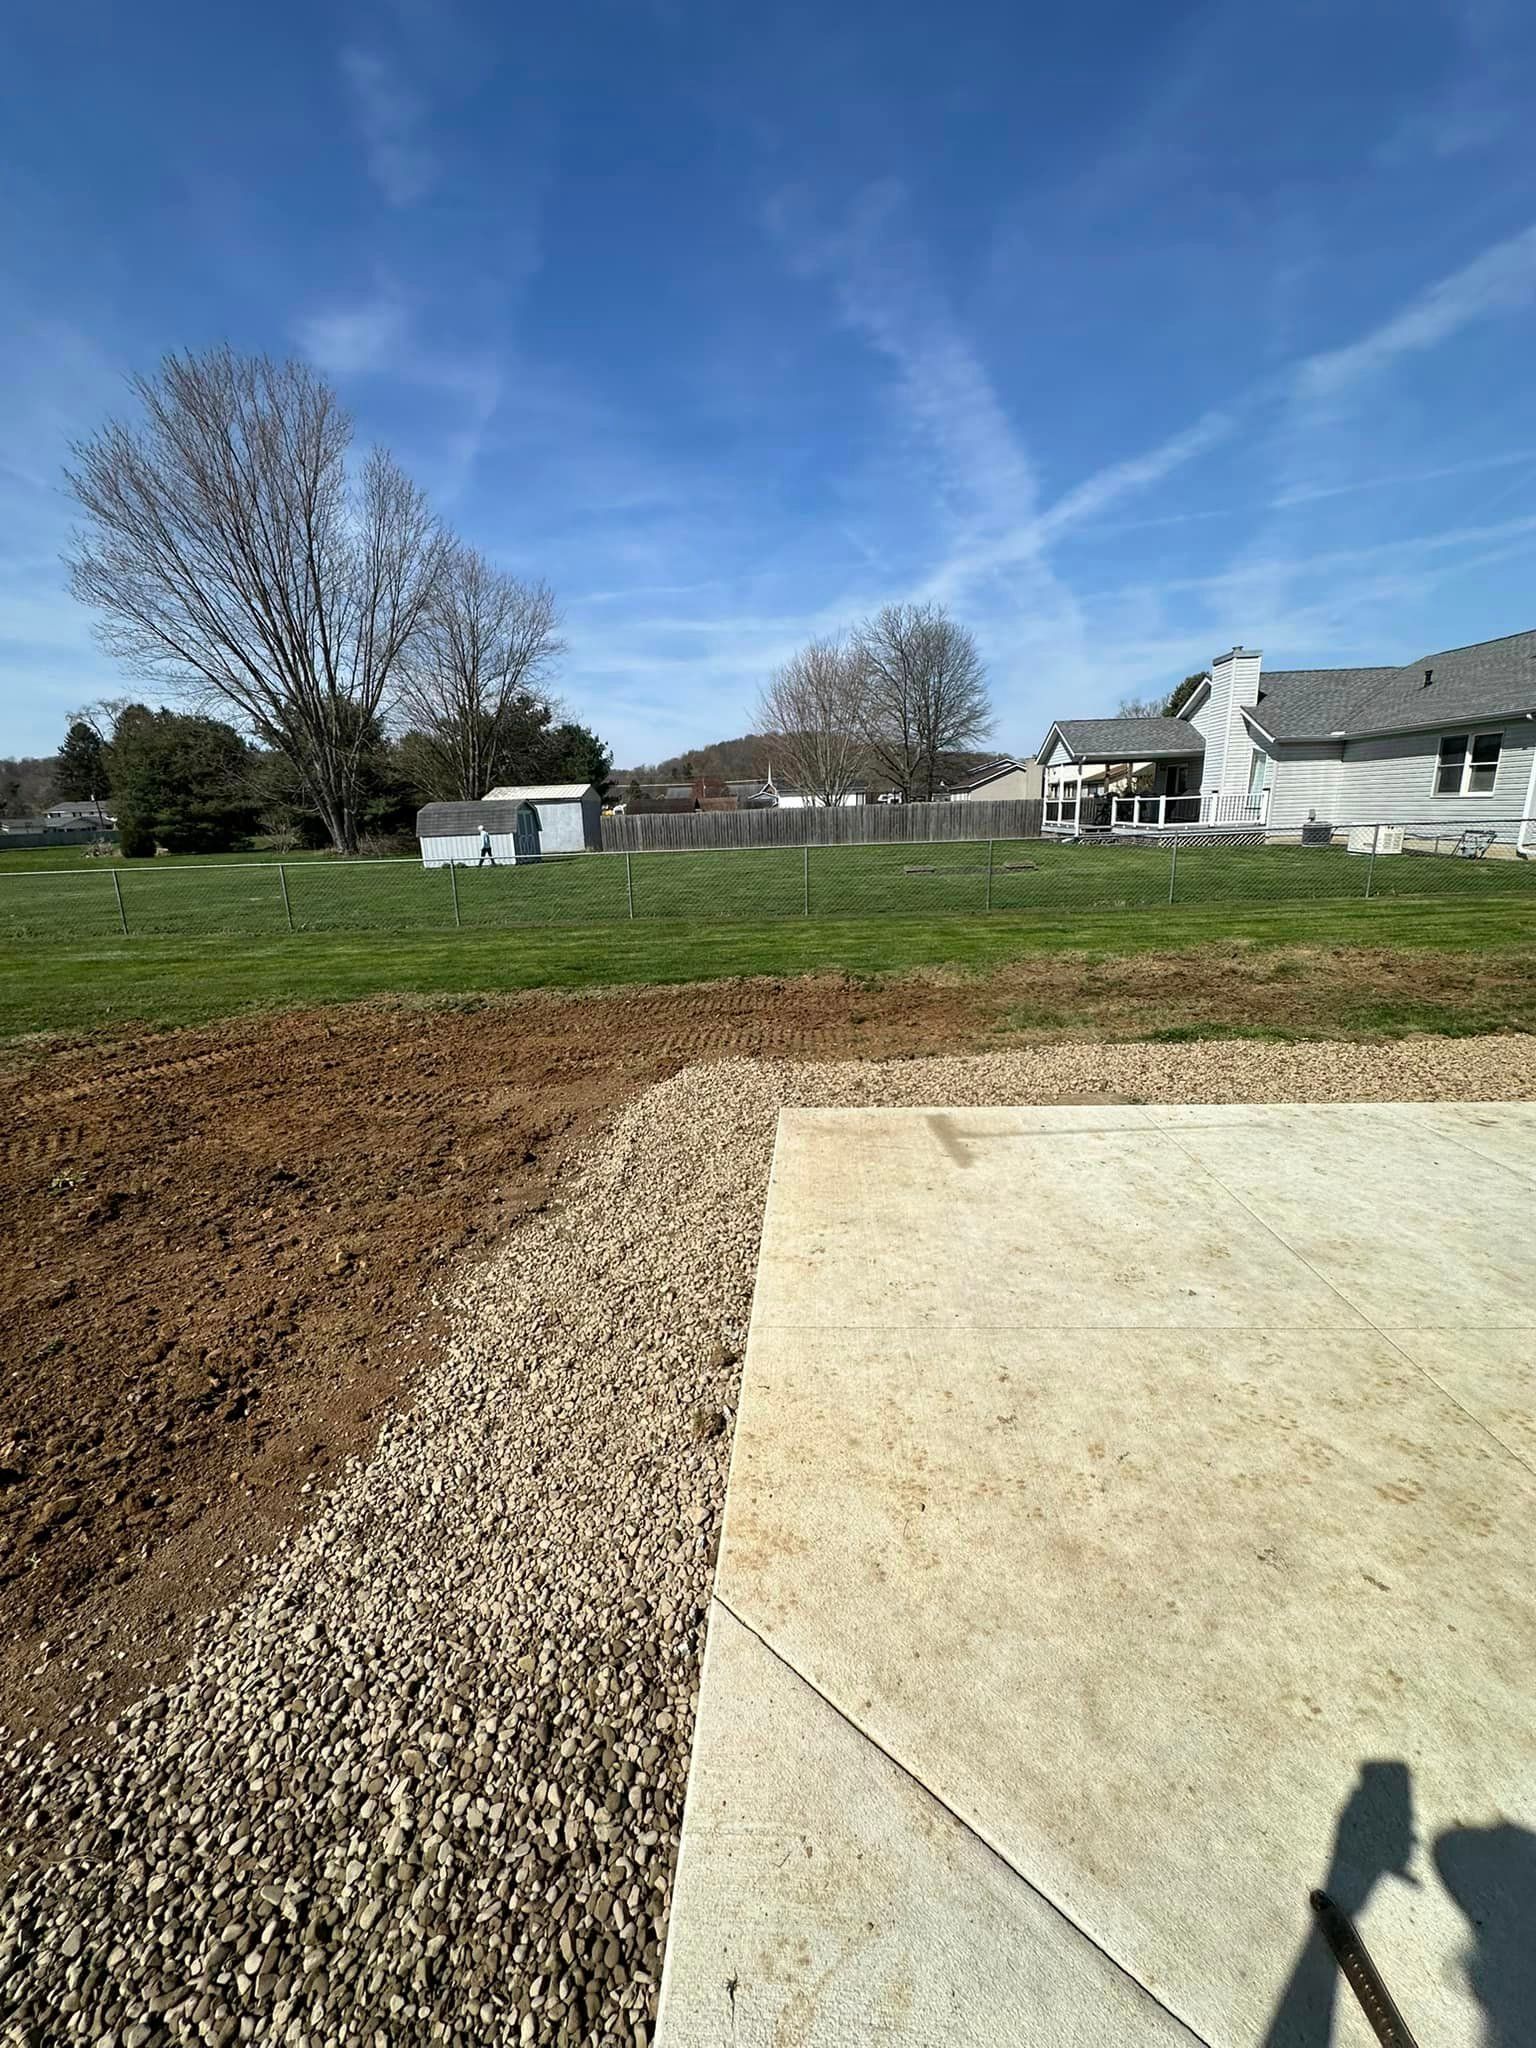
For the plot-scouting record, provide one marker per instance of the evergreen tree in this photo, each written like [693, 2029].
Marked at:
[180, 778]
[82, 767]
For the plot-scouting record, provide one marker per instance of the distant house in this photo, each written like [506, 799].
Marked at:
[65, 824]
[72, 816]
[1004, 781]
[1447, 741]
[523, 824]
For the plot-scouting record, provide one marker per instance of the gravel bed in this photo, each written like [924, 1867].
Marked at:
[425, 1783]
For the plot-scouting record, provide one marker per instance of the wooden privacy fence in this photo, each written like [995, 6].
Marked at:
[847, 825]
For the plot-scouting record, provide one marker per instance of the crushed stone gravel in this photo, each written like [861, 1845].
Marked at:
[425, 1783]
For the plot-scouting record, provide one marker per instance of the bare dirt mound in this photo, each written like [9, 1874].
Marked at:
[220, 1254]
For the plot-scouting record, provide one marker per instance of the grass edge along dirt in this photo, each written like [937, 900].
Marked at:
[125, 984]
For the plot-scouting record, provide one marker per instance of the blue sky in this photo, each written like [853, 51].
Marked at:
[1130, 330]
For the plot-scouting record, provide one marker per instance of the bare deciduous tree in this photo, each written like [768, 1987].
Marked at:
[813, 710]
[230, 554]
[924, 692]
[471, 685]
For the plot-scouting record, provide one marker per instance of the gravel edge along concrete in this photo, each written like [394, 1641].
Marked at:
[425, 1783]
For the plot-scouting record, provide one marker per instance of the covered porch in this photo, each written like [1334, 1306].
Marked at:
[1132, 775]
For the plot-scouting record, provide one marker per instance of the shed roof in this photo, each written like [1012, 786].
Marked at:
[1127, 739]
[540, 793]
[457, 821]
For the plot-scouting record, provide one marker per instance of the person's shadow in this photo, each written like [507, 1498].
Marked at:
[1489, 1872]
[1372, 1840]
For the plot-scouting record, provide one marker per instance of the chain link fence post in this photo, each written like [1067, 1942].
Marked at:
[453, 883]
[991, 844]
[629, 885]
[1370, 866]
[1173, 865]
[282, 883]
[117, 890]
[807, 895]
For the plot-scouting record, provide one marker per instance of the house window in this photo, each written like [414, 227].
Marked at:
[1468, 764]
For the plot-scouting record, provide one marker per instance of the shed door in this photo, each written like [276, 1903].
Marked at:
[525, 833]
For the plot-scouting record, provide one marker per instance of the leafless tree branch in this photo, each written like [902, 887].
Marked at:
[472, 685]
[924, 693]
[812, 708]
[229, 554]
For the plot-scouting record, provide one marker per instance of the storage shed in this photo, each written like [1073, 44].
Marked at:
[524, 824]
[570, 814]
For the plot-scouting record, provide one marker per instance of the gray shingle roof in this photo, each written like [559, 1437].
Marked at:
[1129, 739]
[1481, 681]
[455, 821]
[1485, 680]
[1310, 703]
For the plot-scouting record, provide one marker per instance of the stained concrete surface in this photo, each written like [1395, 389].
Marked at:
[1140, 1498]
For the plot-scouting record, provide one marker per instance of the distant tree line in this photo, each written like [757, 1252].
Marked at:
[192, 783]
[345, 656]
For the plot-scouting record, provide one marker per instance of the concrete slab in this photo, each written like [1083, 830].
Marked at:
[894, 1924]
[1178, 1613]
[965, 1223]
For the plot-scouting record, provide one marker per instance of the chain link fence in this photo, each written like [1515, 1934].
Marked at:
[1113, 873]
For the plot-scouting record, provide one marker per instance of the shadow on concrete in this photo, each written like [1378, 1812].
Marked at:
[1491, 1874]
[1373, 1839]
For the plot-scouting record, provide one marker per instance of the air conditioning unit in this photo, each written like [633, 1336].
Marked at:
[1380, 838]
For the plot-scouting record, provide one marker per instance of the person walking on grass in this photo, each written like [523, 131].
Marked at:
[487, 851]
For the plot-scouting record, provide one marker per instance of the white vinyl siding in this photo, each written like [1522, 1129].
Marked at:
[462, 849]
[1393, 781]
[1235, 680]
[1210, 721]
[1305, 778]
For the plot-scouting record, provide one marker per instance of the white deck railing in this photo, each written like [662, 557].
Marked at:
[1064, 810]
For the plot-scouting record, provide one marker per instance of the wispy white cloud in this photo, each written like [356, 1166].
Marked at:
[883, 289]
[1500, 280]
[391, 119]
[352, 340]
[1137, 473]
[1302, 494]
[379, 336]
[1411, 548]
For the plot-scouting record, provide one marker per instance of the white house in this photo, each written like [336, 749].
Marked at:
[523, 824]
[1447, 741]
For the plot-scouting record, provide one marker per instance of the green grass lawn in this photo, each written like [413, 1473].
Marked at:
[117, 983]
[262, 899]
[47, 859]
